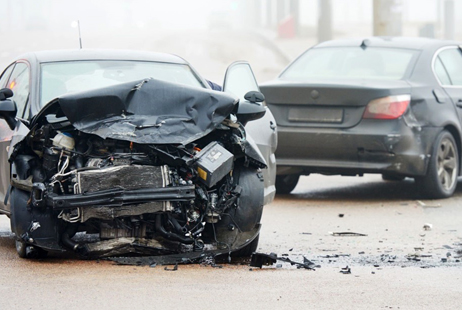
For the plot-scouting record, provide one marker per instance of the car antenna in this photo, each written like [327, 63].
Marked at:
[80, 36]
[76, 24]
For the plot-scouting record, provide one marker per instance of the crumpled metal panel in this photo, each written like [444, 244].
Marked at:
[148, 111]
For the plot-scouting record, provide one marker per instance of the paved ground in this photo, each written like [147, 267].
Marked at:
[297, 225]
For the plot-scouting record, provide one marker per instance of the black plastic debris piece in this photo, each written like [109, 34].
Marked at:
[347, 234]
[388, 258]
[307, 264]
[444, 260]
[362, 252]
[210, 261]
[169, 259]
[175, 268]
[341, 215]
[259, 259]
[290, 250]
[335, 256]
[346, 270]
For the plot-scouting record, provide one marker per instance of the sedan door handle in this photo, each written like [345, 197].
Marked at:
[459, 103]
[273, 125]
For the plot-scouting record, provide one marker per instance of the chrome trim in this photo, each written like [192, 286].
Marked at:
[434, 60]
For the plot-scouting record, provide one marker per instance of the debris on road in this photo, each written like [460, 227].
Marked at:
[427, 226]
[175, 268]
[347, 234]
[346, 270]
[341, 215]
[424, 205]
[335, 256]
[260, 259]
[417, 256]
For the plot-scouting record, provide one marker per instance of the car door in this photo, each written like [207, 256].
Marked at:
[17, 78]
[239, 80]
[448, 69]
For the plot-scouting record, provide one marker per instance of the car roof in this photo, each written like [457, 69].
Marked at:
[101, 54]
[397, 42]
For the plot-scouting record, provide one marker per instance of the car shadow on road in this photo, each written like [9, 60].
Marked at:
[372, 191]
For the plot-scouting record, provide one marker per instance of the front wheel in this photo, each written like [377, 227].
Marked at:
[286, 183]
[249, 249]
[443, 168]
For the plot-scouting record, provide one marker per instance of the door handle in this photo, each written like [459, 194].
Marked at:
[459, 103]
[273, 125]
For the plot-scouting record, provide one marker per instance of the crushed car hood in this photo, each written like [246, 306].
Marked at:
[148, 111]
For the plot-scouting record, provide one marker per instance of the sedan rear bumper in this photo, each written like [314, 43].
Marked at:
[373, 146]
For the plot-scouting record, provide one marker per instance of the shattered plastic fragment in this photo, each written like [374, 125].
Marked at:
[259, 259]
[427, 226]
[347, 234]
[346, 270]
[175, 268]
[422, 204]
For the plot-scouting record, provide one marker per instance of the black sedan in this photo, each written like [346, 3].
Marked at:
[377, 105]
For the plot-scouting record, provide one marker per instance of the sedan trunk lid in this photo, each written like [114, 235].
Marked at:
[326, 103]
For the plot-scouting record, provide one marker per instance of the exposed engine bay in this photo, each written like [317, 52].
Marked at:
[80, 189]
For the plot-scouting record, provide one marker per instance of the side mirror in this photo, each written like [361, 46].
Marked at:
[251, 109]
[254, 96]
[5, 93]
[8, 107]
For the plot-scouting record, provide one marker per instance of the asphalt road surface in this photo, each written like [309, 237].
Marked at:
[401, 253]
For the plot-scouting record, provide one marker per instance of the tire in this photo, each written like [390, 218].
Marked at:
[443, 169]
[27, 251]
[248, 249]
[286, 183]
[21, 248]
[392, 178]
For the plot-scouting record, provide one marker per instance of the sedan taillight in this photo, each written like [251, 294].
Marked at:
[390, 107]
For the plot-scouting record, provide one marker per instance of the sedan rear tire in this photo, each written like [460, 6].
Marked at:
[286, 183]
[443, 169]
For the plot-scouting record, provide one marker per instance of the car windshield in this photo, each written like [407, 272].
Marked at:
[59, 78]
[351, 63]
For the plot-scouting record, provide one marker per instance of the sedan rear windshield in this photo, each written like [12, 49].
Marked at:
[59, 78]
[351, 63]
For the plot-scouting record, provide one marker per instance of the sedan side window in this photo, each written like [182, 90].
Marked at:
[5, 76]
[19, 83]
[441, 72]
[452, 61]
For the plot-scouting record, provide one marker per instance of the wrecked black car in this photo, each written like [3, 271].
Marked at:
[153, 166]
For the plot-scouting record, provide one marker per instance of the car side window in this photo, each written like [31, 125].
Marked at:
[19, 83]
[5, 76]
[441, 72]
[452, 61]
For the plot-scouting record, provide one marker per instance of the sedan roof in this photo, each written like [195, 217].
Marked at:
[100, 54]
[397, 42]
